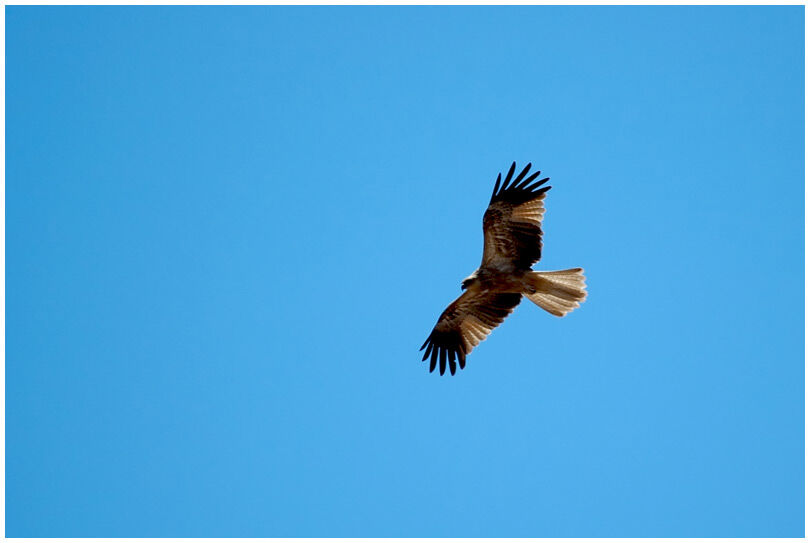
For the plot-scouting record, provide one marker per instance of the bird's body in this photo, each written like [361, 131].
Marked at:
[498, 280]
[512, 244]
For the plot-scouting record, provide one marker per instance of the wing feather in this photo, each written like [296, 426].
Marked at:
[464, 324]
[513, 239]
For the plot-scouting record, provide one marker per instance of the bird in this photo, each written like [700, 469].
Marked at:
[512, 245]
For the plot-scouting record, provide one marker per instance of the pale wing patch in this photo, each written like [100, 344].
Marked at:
[474, 332]
[530, 212]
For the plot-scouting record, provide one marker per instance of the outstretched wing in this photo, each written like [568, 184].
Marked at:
[464, 324]
[512, 234]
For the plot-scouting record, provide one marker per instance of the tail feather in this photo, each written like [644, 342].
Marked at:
[558, 292]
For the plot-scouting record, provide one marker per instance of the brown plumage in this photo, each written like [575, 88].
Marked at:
[512, 244]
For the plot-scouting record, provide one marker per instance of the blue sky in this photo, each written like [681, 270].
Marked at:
[230, 229]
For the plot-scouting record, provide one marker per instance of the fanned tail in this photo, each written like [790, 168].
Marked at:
[558, 292]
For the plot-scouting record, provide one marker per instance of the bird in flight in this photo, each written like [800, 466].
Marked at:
[512, 244]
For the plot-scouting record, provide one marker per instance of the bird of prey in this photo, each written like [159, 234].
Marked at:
[512, 244]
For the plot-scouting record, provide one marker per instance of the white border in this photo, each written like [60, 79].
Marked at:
[404, 3]
[369, 2]
[806, 380]
[3, 268]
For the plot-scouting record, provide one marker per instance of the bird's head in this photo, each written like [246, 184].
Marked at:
[465, 284]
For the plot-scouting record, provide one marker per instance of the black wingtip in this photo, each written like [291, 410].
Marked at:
[520, 189]
[522, 174]
[536, 184]
[531, 178]
[509, 175]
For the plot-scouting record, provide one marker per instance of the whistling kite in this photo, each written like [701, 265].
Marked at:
[512, 244]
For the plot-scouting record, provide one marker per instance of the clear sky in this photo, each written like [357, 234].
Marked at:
[229, 230]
